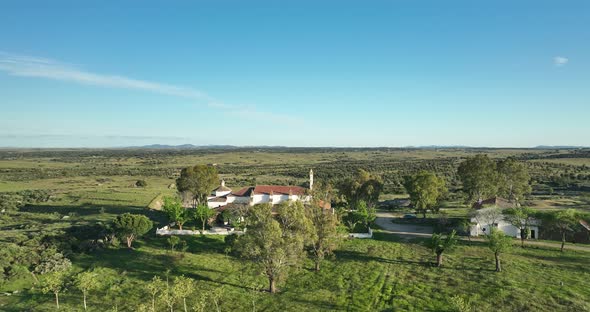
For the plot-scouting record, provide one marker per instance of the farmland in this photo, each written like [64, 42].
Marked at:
[384, 274]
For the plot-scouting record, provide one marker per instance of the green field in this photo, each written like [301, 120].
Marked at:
[383, 274]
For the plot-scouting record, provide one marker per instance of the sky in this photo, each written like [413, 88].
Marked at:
[294, 73]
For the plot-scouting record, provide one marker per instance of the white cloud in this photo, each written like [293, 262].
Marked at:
[560, 61]
[37, 67]
[26, 66]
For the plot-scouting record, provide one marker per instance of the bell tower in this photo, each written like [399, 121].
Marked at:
[311, 179]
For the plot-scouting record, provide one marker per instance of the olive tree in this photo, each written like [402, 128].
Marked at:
[498, 243]
[183, 287]
[54, 283]
[565, 222]
[155, 287]
[521, 218]
[86, 282]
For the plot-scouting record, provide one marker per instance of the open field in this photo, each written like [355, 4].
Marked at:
[384, 274]
[365, 275]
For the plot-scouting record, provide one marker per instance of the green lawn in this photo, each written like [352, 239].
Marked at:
[365, 275]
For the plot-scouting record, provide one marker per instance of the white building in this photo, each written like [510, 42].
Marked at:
[260, 194]
[486, 218]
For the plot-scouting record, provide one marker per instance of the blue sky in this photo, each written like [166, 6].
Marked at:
[294, 73]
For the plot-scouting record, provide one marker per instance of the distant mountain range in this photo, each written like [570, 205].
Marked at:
[191, 146]
[184, 146]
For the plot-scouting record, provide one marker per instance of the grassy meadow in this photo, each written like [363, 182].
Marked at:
[382, 274]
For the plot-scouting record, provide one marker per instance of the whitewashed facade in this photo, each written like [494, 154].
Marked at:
[483, 223]
[260, 194]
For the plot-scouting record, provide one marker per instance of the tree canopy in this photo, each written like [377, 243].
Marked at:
[363, 186]
[202, 214]
[197, 182]
[514, 179]
[565, 222]
[425, 190]
[440, 244]
[175, 211]
[272, 244]
[479, 177]
[498, 243]
[131, 226]
[521, 218]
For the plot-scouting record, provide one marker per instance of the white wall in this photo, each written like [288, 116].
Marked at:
[507, 228]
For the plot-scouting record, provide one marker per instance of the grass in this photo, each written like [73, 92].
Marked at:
[365, 275]
[383, 274]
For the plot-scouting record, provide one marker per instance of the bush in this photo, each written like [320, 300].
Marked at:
[141, 183]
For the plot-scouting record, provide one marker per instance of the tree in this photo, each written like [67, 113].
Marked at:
[521, 218]
[440, 244]
[203, 214]
[176, 213]
[86, 282]
[183, 287]
[141, 183]
[54, 283]
[52, 261]
[425, 190]
[173, 241]
[154, 287]
[362, 187]
[564, 221]
[478, 176]
[364, 214]
[514, 179]
[325, 235]
[271, 244]
[132, 226]
[498, 242]
[197, 182]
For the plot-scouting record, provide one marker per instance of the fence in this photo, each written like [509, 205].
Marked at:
[213, 231]
[361, 235]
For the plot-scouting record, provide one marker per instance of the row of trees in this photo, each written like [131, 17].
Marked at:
[168, 293]
[201, 214]
[483, 177]
[497, 242]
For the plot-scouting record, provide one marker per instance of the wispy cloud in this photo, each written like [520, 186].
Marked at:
[560, 61]
[37, 67]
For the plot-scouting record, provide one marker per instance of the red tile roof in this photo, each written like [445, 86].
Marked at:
[243, 192]
[220, 199]
[494, 201]
[281, 190]
[267, 189]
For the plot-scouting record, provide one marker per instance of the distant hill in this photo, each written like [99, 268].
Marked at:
[558, 147]
[183, 146]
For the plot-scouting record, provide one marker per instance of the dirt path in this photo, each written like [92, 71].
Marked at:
[408, 231]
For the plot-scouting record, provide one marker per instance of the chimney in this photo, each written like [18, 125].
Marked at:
[222, 182]
[311, 179]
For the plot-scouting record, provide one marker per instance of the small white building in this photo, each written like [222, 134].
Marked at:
[260, 194]
[486, 218]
